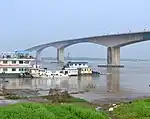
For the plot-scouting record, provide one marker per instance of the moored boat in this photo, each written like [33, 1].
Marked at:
[44, 73]
[57, 74]
[15, 64]
[37, 72]
[77, 68]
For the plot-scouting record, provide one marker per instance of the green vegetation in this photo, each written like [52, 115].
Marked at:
[139, 109]
[45, 111]
[61, 105]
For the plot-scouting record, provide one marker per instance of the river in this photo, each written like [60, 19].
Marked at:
[131, 81]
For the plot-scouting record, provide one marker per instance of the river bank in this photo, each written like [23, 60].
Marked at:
[87, 95]
[122, 108]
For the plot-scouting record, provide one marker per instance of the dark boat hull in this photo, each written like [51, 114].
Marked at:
[15, 75]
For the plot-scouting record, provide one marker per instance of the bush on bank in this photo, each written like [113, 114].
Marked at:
[45, 111]
[139, 109]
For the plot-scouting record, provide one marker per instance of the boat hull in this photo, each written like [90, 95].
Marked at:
[49, 76]
[57, 77]
[10, 75]
[14, 75]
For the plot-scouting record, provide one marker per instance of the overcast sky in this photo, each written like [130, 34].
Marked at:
[25, 23]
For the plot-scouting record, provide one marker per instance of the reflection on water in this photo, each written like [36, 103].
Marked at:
[113, 80]
[75, 82]
[79, 82]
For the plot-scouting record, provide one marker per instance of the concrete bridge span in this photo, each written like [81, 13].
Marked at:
[112, 42]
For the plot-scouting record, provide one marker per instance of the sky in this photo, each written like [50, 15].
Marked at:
[26, 23]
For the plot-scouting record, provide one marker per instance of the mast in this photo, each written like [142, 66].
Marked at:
[68, 56]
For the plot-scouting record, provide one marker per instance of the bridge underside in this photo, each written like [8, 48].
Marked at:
[113, 56]
[112, 42]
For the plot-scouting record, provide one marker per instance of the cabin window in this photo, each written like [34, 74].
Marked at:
[20, 69]
[13, 62]
[20, 62]
[5, 62]
[5, 69]
[23, 69]
[66, 72]
[79, 64]
[75, 64]
[8, 56]
[26, 62]
[61, 71]
[13, 69]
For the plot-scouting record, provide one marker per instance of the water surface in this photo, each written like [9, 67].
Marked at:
[131, 81]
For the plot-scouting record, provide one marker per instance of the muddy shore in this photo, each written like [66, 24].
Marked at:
[86, 95]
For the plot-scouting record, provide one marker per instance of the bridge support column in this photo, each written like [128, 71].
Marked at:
[38, 58]
[60, 55]
[113, 56]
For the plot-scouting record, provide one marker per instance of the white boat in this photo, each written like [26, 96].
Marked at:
[44, 73]
[37, 72]
[56, 74]
[15, 64]
[77, 68]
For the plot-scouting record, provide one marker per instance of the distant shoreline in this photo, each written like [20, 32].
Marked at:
[87, 58]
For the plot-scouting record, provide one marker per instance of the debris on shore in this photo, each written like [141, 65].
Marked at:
[53, 96]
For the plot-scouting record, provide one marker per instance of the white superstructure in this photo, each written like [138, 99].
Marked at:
[76, 65]
[15, 63]
[77, 68]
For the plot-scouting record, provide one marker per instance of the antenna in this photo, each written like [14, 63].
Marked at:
[68, 56]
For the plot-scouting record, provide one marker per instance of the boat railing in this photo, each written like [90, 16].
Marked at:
[16, 57]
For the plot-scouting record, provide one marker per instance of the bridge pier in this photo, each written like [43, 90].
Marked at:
[113, 56]
[60, 55]
[38, 58]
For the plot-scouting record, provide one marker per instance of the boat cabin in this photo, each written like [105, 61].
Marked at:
[77, 68]
[15, 63]
[83, 71]
[16, 55]
[76, 65]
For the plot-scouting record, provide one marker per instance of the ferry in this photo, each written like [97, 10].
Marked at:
[15, 64]
[77, 68]
[57, 74]
[43, 73]
[38, 72]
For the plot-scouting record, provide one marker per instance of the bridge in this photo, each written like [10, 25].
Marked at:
[113, 43]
